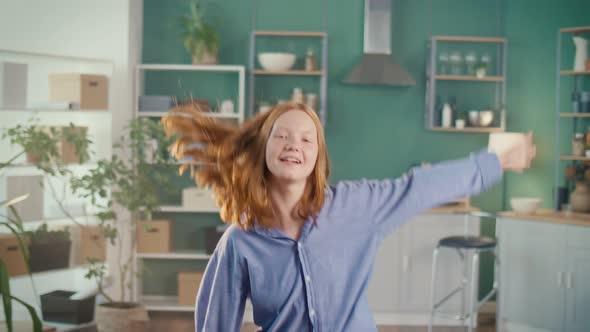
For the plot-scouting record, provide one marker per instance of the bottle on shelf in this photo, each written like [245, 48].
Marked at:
[310, 61]
[447, 115]
[298, 96]
[578, 145]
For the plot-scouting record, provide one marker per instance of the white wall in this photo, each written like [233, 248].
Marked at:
[105, 29]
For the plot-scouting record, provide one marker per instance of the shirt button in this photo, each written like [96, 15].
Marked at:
[307, 279]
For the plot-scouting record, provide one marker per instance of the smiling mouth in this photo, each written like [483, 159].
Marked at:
[292, 160]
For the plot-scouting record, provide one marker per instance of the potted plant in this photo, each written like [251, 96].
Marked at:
[134, 186]
[42, 144]
[200, 38]
[48, 249]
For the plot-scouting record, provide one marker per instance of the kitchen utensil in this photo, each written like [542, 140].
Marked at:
[525, 204]
[276, 61]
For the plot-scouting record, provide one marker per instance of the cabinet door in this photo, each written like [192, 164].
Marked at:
[577, 280]
[532, 273]
[382, 292]
[419, 238]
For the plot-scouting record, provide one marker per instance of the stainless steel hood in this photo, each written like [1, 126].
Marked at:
[377, 65]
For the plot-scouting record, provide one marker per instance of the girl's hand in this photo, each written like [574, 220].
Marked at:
[519, 156]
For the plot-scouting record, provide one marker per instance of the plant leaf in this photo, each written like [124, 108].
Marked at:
[37, 327]
[5, 290]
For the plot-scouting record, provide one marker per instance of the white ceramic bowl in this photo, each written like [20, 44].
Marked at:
[276, 61]
[486, 118]
[525, 204]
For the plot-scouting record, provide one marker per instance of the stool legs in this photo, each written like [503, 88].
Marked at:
[432, 282]
[473, 293]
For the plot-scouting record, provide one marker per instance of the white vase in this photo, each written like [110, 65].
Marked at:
[581, 53]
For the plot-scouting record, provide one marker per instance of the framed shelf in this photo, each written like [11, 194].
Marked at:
[574, 158]
[291, 33]
[470, 129]
[164, 303]
[217, 68]
[173, 208]
[207, 114]
[574, 73]
[175, 255]
[470, 39]
[322, 74]
[575, 30]
[431, 117]
[574, 115]
[288, 72]
[469, 78]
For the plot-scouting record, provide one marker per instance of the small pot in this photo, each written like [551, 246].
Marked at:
[121, 316]
[580, 198]
[206, 58]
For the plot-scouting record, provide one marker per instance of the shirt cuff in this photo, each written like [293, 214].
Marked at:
[489, 167]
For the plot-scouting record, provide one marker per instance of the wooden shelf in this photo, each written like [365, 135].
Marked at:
[164, 303]
[217, 68]
[470, 39]
[574, 73]
[576, 29]
[288, 72]
[575, 158]
[574, 115]
[470, 129]
[175, 255]
[173, 208]
[548, 215]
[207, 114]
[469, 78]
[291, 33]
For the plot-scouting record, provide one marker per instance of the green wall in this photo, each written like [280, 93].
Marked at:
[378, 132]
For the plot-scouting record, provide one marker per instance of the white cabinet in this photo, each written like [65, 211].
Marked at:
[400, 288]
[545, 268]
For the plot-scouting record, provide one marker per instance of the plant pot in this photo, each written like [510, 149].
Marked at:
[580, 198]
[205, 58]
[57, 306]
[49, 256]
[121, 316]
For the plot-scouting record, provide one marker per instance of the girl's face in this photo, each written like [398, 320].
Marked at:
[292, 147]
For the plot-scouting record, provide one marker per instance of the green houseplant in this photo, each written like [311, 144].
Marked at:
[134, 187]
[42, 144]
[200, 38]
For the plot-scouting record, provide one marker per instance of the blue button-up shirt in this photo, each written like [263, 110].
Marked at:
[319, 283]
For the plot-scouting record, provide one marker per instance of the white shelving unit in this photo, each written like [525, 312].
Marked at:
[170, 303]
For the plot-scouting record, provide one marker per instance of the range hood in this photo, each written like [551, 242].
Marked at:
[377, 65]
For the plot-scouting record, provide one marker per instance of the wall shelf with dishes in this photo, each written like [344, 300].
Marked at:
[285, 63]
[572, 156]
[186, 225]
[453, 64]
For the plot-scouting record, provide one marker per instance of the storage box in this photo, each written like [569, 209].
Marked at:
[90, 91]
[155, 103]
[154, 236]
[56, 306]
[188, 287]
[30, 209]
[89, 242]
[13, 85]
[68, 151]
[12, 256]
[198, 199]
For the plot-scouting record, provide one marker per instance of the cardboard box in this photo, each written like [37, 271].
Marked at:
[154, 236]
[68, 150]
[90, 91]
[89, 242]
[188, 287]
[13, 85]
[198, 199]
[12, 256]
[30, 209]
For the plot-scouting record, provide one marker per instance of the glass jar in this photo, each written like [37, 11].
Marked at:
[578, 145]
[443, 63]
[470, 63]
[297, 96]
[485, 62]
[456, 63]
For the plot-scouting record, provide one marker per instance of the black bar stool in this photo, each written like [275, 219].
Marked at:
[465, 245]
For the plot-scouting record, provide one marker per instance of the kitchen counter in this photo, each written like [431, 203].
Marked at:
[452, 209]
[551, 216]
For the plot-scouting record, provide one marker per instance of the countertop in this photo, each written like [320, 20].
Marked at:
[552, 216]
